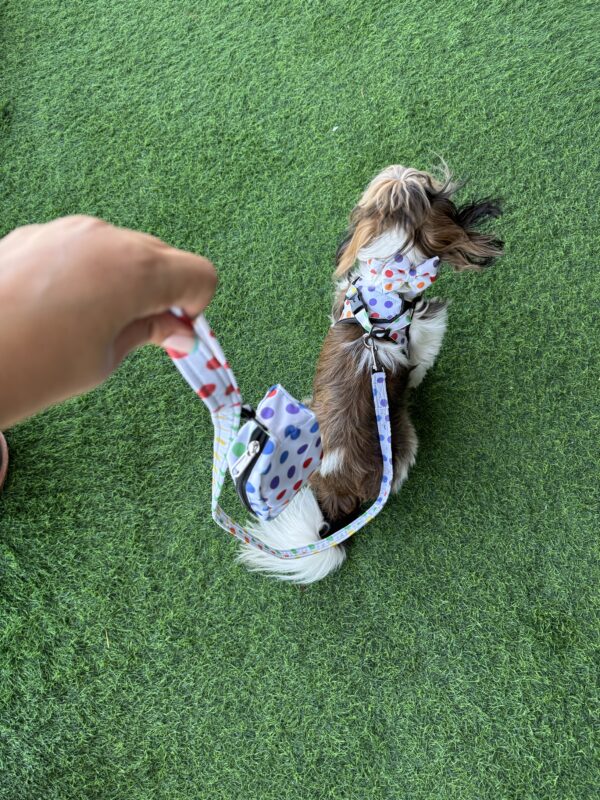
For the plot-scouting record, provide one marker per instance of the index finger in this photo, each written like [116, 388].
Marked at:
[177, 278]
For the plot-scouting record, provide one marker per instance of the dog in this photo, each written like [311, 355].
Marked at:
[405, 224]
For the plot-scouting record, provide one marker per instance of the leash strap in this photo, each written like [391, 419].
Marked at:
[210, 376]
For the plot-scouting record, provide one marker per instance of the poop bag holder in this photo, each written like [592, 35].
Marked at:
[274, 453]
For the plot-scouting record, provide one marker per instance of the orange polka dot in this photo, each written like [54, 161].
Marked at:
[420, 285]
[388, 287]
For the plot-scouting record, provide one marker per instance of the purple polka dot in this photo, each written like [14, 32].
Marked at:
[292, 409]
[412, 271]
[283, 457]
[390, 439]
[371, 289]
[318, 442]
[291, 472]
[384, 479]
[383, 402]
[380, 379]
[373, 301]
[398, 256]
[302, 449]
[267, 413]
[269, 447]
[275, 482]
[315, 427]
[388, 304]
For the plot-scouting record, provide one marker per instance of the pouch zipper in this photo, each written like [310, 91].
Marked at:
[245, 464]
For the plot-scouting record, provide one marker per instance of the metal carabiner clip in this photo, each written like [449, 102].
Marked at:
[370, 345]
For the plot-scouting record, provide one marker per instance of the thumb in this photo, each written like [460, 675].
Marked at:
[166, 330]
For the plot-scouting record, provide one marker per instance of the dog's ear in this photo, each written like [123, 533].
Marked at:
[450, 232]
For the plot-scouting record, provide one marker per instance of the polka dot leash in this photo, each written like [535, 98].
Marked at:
[207, 372]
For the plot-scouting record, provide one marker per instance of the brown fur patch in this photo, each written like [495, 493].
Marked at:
[343, 404]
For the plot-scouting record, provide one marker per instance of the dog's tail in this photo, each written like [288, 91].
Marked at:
[300, 524]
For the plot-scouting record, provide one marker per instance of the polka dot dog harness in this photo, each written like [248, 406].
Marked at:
[383, 303]
[283, 434]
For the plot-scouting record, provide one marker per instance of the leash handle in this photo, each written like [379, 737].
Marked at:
[210, 376]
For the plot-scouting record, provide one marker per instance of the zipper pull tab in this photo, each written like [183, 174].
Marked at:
[243, 461]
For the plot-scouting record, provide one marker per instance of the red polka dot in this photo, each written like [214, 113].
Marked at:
[230, 389]
[213, 363]
[280, 495]
[307, 463]
[373, 272]
[231, 530]
[212, 333]
[206, 390]
[175, 354]
[272, 393]
[388, 273]
[247, 540]
[394, 336]
[321, 454]
[434, 278]
[297, 485]
[375, 315]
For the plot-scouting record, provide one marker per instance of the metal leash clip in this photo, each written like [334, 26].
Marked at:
[369, 343]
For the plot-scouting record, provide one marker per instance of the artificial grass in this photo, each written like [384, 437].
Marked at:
[455, 656]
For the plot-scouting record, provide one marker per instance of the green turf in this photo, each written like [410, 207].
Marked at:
[455, 656]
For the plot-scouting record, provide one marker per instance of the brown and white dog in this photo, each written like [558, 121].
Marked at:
[402, 211]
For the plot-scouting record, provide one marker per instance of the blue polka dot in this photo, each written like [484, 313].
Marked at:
[249, 487]
[269, 447]
[291, 472]
[291, 408]
[267, 413]
[381, 437]
[388, 304]
[412, 271]
[314, 428]
[398, 256]
[384, 479]
[373, 301]
[284, 456]
[318, 442]
[387, 417]
[302, 449]
[371, 289]
[383, 402]
[275, 482]
[390, 439]
[380, 379]
[267, 470]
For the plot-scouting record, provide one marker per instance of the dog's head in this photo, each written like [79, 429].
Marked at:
[420, 208]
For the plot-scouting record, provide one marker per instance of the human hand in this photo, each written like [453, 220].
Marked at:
[78, 294]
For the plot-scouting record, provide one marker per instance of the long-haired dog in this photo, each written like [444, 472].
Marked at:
[405, 218]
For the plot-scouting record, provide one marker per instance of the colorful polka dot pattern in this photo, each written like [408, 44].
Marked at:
[210, 376]
[383, 295]
[290, 456]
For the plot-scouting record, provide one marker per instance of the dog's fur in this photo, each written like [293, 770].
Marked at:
[401, 208]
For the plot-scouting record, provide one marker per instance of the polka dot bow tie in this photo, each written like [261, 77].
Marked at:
[397, 274]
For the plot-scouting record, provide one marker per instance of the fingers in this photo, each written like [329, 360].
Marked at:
[161, 329]
[186, 280]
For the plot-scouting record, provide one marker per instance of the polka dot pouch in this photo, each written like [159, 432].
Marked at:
[274, 453]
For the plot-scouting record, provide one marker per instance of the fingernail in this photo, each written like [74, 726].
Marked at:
[179, 344]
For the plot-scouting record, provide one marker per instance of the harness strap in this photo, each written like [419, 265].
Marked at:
[210, 376]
